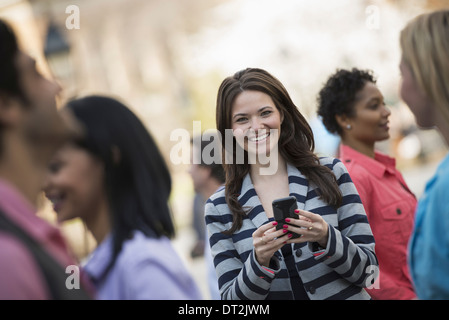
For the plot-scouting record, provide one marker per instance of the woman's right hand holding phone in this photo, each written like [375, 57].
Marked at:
[267, 240]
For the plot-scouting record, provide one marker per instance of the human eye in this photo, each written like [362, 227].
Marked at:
[240, 119]
[376, 104]
[54, 166]
[266, 113]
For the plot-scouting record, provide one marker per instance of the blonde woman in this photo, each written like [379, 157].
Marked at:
[425, 89]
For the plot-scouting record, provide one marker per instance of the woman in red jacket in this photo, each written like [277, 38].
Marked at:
[352, 106]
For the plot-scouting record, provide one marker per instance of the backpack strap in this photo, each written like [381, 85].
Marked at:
[53, 272]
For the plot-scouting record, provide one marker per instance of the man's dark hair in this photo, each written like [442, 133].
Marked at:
[216, 169]
[9, 76]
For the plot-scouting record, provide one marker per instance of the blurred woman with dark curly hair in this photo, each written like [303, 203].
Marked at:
[352, 106]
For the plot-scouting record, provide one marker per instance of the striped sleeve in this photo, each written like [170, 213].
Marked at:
[350, 247]
[237, 280]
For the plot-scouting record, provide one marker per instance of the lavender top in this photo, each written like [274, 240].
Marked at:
[146, 269]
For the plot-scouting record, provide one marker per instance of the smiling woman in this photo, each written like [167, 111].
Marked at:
[256, 122]
[254, 259]
[115, 179]
[351, 105]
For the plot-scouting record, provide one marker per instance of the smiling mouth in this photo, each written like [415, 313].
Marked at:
[259, 138]
[57, 201]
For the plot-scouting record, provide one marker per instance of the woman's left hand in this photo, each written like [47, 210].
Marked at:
[311, 226]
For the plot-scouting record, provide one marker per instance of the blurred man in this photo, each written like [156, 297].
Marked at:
[207, 176]
[33, 256]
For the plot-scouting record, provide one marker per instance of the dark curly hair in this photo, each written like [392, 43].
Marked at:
[337, 97]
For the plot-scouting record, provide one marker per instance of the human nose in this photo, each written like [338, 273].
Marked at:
[55, 86]
[386, 112]
[256, 124]
[46, 182]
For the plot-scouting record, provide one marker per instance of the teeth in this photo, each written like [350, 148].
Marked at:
[262, 137]
[55, 198]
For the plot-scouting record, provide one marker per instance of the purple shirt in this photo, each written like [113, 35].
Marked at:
[145, 269]
[20, 277]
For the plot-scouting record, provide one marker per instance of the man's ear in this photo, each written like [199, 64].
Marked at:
[207, 170]
[11, 110]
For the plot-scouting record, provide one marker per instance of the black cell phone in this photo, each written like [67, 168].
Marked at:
[285, 208]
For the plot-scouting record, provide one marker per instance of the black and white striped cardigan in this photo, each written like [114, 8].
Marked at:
[340, 271]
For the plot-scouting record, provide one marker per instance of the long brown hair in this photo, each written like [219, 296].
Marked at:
[296, 143]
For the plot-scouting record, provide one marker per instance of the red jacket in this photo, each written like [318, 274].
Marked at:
[390, 207]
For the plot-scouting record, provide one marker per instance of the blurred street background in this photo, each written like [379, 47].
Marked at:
[166, 58]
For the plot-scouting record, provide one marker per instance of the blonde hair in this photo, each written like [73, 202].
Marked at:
[425, 49]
